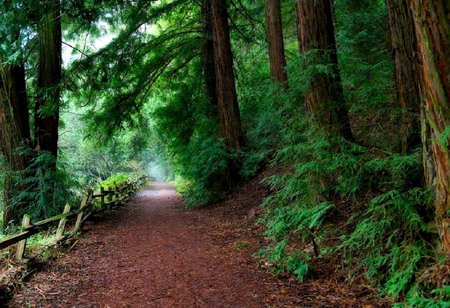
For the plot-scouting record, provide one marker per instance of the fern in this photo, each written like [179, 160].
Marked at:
[438, 298]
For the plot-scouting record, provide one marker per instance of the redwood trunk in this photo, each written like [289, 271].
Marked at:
[432, 24]
[48, 81]
[229, 115]
[209, 69]
[407, 72]
[275, 42]
[14, 132]
[325, 100]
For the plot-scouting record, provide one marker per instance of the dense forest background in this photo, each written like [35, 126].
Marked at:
[349, 99]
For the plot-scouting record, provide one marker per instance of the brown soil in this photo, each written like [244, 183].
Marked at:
[155, 253]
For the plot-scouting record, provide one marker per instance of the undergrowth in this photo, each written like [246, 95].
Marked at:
[42, 189]
[387, 238]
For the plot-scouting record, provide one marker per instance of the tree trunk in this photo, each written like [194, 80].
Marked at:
[325, 100]
[49, 77]
[407, 72]
[275, 41]
[230, 119]
[14, 132]
[432, 28]
[209, 69]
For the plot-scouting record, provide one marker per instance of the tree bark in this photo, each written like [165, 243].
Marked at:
[14, 132]
[275, 42]
[407, 72]
[325, 100]
[48, 80]
[229, 115]
[432, 28]
[209, 69]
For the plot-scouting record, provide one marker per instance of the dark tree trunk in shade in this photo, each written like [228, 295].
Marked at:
[14, 132]
[209, 69]
[432, 24]
[325, 100]
[275, 42]
[407, 72]
[48, 80]
[229, 114]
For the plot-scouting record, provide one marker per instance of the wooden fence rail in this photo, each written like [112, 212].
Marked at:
[89, 205]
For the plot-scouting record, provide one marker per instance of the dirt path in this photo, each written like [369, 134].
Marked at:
[154, 253]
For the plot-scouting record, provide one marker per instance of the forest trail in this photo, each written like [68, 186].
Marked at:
[154, 253]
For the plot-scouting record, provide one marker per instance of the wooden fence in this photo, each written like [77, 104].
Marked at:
[92, 202]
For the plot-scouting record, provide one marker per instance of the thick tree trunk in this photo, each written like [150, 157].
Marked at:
[229, 115]
[14, 132]
[432, 27]
[208, 53]
[325, 101]
[275, 41]
[407, 72]
[49, 77]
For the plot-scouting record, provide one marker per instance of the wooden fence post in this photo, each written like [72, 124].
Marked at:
[84, 203]
[116, 193]
[102, 197]
[110, 197]
[62, 223]
[23, 243]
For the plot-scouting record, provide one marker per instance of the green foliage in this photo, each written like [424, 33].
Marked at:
[437, 298]
[146, 89]
[187, 128]
[264, 123]
[386, 238]
[199, 157]
[89, 161]
[114, 180]
[44, 189]
[269, 113]
[122, 73]
[364, 55]
[389, 239]
[367, 70]
[389, 234]
[205, 164]
[281, 262]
